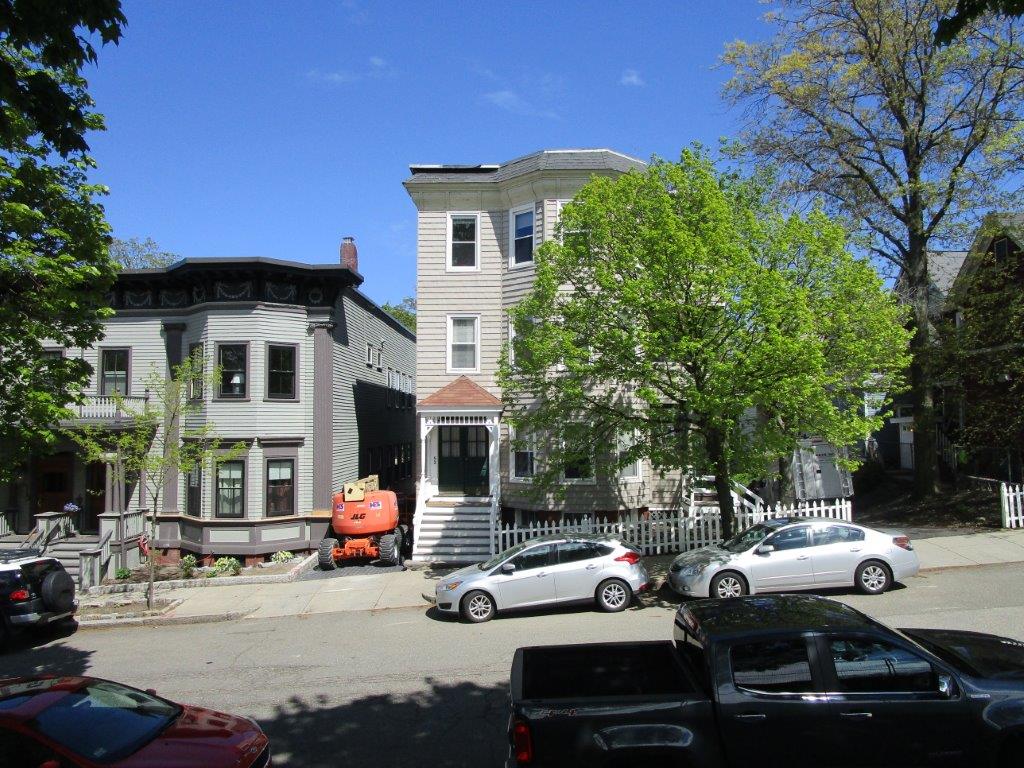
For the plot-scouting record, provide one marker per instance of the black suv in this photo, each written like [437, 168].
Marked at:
[35, 590]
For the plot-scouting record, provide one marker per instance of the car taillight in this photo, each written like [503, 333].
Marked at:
[522, 744]
[903, 542]
[19, 594]
[630, 557]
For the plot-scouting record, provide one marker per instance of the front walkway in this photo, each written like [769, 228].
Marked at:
[406, 589]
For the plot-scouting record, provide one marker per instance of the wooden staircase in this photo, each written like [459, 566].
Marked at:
[63, 549]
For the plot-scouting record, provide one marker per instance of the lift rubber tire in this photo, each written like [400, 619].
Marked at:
[391, 549]
[873, 577]
[613, 595]
[478, 607]
[58, 591]
[325, 554]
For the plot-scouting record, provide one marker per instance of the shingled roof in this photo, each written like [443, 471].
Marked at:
[545, 160]
[461, 393]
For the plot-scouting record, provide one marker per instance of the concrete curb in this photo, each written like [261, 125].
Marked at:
[228, 581]
[161, 621]
[118, 617]
[936, 568]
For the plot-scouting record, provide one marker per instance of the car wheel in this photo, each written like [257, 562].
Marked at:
[873, 577]
[478, 607]
[727, 584]
[613, 595]
[391, 548]
[325, 554]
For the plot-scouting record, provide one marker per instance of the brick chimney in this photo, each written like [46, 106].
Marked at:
[349, 254]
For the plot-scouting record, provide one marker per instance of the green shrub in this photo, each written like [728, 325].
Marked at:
[282, 557]
[188, 566]
[123, 574]
[227, 565]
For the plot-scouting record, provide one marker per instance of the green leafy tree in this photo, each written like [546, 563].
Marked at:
[969, 10]
[167, 436]
[54, 265]
[682, 317]
[134, 253]
[981, 359]
[858, 106]
[404, 312]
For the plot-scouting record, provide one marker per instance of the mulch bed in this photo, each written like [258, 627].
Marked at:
[890, 502]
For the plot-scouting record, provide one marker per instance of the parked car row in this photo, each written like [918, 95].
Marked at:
[781, 554]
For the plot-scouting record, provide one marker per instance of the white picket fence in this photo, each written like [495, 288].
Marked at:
[1011, 499]
[670, 531]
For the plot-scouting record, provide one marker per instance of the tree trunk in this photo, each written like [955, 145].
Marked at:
[152, 551]
[717, 453]
[926, 460]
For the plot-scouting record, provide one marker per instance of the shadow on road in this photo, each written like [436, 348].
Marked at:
[27, 653]
[460, 724]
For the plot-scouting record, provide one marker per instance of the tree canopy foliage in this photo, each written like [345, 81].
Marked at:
[967, 11]
[685, 319]
[134, 253]
[54, 263]
[906, 140]
[404, 312]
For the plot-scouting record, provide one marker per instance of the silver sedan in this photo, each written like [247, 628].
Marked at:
[794, 553]
[547, 570]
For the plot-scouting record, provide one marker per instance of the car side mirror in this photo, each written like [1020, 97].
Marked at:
[151, 691]
[947, 688]
[765, 549]
[508, 568]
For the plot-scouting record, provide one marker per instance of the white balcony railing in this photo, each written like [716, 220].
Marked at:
[107, 408]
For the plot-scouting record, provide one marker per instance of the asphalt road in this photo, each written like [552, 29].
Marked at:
[405, 688]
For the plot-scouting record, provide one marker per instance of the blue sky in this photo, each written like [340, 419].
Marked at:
[274, 129]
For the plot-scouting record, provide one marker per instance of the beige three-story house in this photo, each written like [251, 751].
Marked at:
[478, 227]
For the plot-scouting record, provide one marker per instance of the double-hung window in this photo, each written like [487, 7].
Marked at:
[522, 455]
[631, 470]
[281, 372]
[280, 487]
[463, 240]
[195, 384]
[579, 468]
[464, 343]
[114, 371]
[234, 371]
[521, 228]
[230, 496]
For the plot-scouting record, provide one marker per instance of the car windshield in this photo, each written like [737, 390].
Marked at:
[503, 556]
[105, 722]
[744, 540]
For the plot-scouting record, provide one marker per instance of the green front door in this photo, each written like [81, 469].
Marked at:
[462, 466]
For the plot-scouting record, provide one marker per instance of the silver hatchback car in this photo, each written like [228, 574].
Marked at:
[547, 570]
[791, 553]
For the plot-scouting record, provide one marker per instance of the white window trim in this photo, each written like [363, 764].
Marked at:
[638, 471]
[512, 476]
[448, 242]
[532, 208]
[448, 342]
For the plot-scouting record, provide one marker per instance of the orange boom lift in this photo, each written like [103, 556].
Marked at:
[365, 523]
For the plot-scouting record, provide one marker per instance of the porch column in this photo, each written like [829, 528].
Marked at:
[172, 346]
[323, 412]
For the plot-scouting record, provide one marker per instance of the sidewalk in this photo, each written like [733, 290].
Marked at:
[406, 589]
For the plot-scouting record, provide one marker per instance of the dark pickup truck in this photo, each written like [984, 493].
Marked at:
[767, 680]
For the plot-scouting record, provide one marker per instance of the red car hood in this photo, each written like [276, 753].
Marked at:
[201, 737]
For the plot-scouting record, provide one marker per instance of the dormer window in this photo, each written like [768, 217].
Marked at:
[1001, 250]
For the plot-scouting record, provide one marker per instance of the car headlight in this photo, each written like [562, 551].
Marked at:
[451, 586]
[690, 570]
